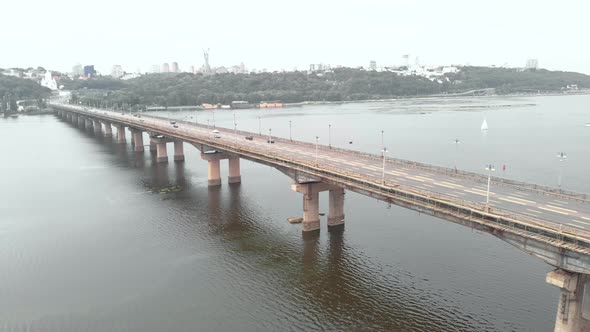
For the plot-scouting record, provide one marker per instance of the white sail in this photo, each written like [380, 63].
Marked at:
[484, 125]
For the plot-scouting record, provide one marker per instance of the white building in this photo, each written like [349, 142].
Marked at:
[48, 81]
[117, 71]
[532, 64]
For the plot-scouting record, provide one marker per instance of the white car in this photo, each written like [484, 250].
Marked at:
[216, 131]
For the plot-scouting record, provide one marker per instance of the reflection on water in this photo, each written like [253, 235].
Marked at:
[97, 237]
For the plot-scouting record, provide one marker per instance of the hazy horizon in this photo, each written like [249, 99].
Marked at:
[274, 36]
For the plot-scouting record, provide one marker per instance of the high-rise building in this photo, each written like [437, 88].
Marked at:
[77, 70]
[89, 71]
[117, 71]
[155, 68]
[532, 64]
[406, 60]
[174, 67]
[165, 67]
[373, 65]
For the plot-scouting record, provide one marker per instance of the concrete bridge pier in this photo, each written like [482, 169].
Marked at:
[153, 144]
[88, 124]
[80, 121]
[108, 130]
[336, 207]
[178, 151]
[136, 139]
[234, 171]
[97, 127]
[214, 173]
[311, 216]
[573, 309]
[120, 134]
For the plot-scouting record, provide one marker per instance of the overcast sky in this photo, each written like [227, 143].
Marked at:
[277, 34]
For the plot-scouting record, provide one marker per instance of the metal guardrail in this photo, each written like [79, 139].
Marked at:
[477, 177]
[410, 194]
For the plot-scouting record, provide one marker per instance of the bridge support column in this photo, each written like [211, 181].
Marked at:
[137, 139]
[153, 144]
[97, 127]
[214, 176]
[108, 130]
[311, 216]
[88, 124]
[234, 171]
[80, 121]
[178, 151]
[573, 309]
[213, 159]
[336, 208]
[120, 134]
[161, 152]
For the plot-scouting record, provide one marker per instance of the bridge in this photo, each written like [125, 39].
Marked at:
[548, 223]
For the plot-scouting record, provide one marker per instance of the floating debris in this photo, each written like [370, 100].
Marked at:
[295, 220]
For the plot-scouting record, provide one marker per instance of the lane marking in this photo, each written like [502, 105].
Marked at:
[581, 222]
[535, 211]
[444, 185]
[585, 218]
[424, 178]
[428, 185]
[512, 201]
[522, 200]
[413, 178]
[560, 208]
[452, 184]
[482, 190]
[551, 210]
[581, 227]
[474, 192]
[530, 214]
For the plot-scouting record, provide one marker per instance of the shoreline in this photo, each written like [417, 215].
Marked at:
[435, 96]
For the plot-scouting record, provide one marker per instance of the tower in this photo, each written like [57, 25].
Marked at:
[207, 68]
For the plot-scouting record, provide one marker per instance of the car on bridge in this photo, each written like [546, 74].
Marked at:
[250, 138]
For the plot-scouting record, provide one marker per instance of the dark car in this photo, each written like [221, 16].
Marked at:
[250, 138]
[270, 141]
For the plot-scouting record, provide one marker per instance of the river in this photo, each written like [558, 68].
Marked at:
[88, 242]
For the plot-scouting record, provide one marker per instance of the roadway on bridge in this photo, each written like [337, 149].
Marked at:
[532, 204]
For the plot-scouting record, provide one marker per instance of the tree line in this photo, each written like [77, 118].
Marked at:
[342, 84]
[14, 88]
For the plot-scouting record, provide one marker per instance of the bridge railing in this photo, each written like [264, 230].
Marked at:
[477, 177]
[503, 217]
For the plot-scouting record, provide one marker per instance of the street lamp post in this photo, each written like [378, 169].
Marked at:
[269, 135]
[235, 128]
[490, 168]
[382, 144]
[317, 140]
[213, 118]
[330, 135]
[383, 151]
[290, 138]
[456, 141]
[259, 126]
[561, 156]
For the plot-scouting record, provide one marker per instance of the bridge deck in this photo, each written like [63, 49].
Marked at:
[543, 204]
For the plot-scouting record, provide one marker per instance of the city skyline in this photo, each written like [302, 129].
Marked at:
[265, 34]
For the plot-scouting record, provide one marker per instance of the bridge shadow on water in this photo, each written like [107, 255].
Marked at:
[310, 282]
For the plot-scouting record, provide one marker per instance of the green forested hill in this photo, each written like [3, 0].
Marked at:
[342, 84]
[19, 88]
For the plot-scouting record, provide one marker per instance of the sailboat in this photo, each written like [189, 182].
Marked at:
[484, 125]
